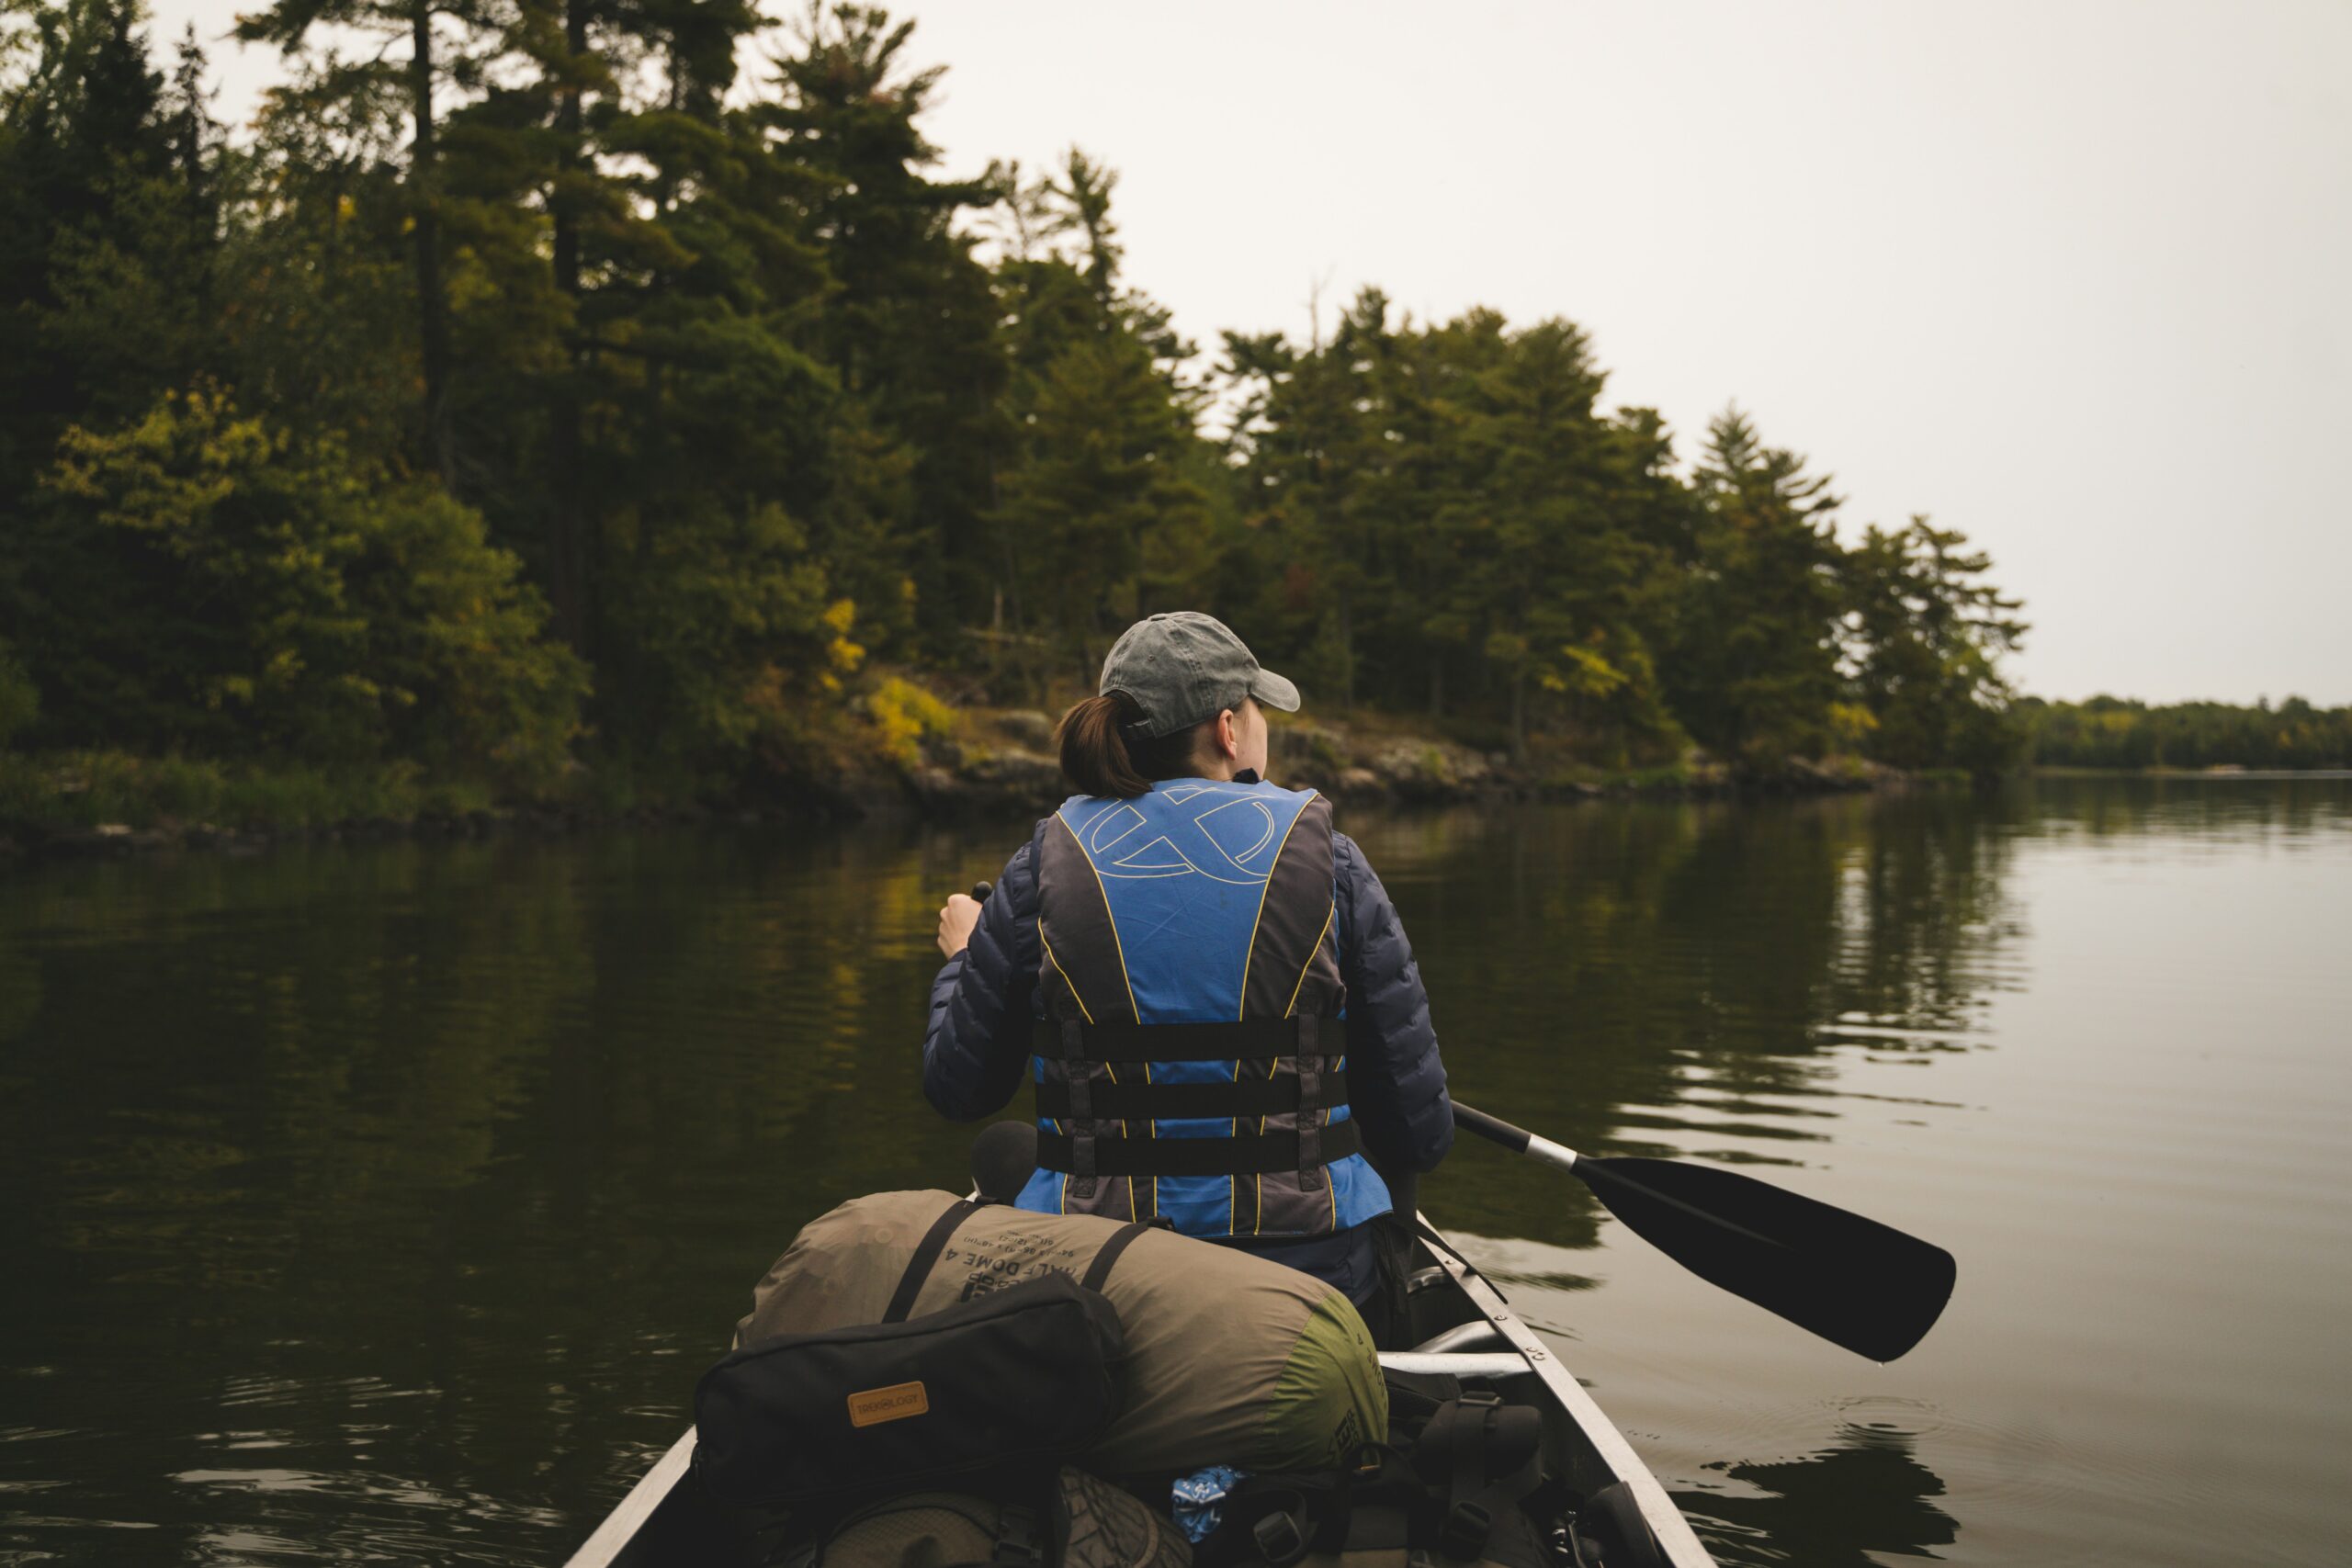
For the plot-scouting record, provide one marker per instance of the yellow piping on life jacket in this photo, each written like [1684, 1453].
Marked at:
[1251, 952]
[1110, 917]
[1312, 954]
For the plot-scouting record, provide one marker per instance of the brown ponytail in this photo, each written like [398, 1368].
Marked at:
[1099, 760]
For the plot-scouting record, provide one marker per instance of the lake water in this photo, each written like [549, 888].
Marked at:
[382, 1202]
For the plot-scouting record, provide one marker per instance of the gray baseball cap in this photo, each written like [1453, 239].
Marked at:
[1182, 667]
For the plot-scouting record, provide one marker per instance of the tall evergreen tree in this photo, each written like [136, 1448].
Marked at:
[107, 254]
[721, 623]
[426, 58]
[1099, 479]
[909, 327]
[1754, 672]
[1925, 633]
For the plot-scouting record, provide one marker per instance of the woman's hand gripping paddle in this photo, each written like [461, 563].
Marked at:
[958, 916]
[1854, 1282]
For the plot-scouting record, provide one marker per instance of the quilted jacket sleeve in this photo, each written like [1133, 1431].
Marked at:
[1395, 1082]
[977, 1046]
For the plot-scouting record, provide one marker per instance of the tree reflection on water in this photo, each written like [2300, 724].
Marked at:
[1833, 1509]
[398, 1192]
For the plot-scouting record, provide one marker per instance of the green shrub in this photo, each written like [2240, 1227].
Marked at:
[208, 584]
[904, 715]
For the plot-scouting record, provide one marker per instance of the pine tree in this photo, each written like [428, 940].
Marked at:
[1755, 667]
[1099, 479]
[909, 326]
[1095, 414]
[108, 234]
[718, 614]
[1924, 632]
[425, 58]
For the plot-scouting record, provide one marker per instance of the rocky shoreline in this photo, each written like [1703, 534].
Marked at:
[1001, 763]
[1011, 766]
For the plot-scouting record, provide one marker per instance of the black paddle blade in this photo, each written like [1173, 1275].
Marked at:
[1858, 1283]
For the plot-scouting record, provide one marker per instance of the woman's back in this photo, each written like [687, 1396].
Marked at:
[1238, 1123]
[1207, 983]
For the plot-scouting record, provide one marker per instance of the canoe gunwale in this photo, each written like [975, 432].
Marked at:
[637, 1509]
[1598, 1451]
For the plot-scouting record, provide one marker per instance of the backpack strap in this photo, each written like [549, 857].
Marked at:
[1100, 1270]
[934, 1242]
[1414, 1397]
[1486, 1456]
[1020, 1540]
[1272, 1521]
[927, 1251]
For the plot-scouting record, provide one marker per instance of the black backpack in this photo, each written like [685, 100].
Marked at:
[1007, 1384]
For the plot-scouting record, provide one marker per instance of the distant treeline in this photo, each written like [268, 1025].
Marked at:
[521, 384]
[2107, 732]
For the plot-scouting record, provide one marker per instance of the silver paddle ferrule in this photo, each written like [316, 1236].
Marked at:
[1551, 1153]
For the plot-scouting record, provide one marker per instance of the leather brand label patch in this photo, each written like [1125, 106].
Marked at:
[896, 1402]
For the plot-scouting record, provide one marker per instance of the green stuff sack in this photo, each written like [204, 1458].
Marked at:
[1231, 1359]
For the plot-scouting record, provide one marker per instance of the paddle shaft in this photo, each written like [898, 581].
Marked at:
[1519, 1140]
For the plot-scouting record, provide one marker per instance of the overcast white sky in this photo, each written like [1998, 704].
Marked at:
[2068, 276]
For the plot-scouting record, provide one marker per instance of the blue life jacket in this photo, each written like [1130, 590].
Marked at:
[1191, 1060]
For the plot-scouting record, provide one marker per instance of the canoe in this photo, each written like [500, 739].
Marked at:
[667, 1521]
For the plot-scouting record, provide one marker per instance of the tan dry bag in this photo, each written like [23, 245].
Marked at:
[1231, 1359]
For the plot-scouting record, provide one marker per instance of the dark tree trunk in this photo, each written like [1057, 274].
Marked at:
[1519, 713]
[567, 524]
[1347, 657]
[1135, 554]
[432, 317]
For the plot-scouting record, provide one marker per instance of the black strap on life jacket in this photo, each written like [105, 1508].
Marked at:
[1307, 1092]
[1193, 1101]
[1265, 1038]
[1248, 1153]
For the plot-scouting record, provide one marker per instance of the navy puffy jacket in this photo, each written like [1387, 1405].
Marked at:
[975, 1053]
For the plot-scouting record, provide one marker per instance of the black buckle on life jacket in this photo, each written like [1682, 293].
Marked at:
[1081, 1118]
[1310, 1109]
[1248, 1154]
[1115, 1040]
[1245, 1098]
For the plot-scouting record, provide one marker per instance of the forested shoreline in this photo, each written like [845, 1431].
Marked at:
[2110, 732]
[562, 401]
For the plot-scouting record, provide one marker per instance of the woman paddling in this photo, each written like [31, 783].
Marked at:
[1208, 986]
